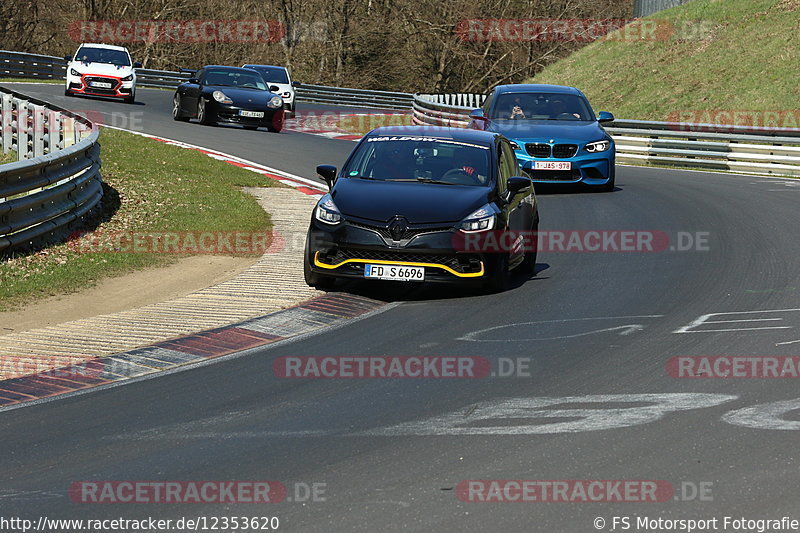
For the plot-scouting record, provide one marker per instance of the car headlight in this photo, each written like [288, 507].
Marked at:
[220, 97]
[74, 72]
[275, 101]
[129, 77]
[326, 211]
[481, 220]
[514, 145]
[598, 146]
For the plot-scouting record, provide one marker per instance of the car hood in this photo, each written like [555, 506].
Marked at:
[536, 130]
[242, 96]
[420, 203]
[103, 69]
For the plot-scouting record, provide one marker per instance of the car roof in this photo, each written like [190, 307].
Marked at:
[438, 132]
[226, 67]
[536, 88]
[250, 65]
[106, 46]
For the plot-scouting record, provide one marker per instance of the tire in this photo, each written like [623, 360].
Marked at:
[500, 276]
[202, 114]
[130, 99]
[177, 114]
[276, 124]
[314, 279]
[608, 187]
[528, 265]
[67, 92]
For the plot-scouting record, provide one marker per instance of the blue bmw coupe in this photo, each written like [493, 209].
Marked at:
[555, 134]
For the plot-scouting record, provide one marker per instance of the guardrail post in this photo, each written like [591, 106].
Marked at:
[38, 130]
[23, 130]
[53, 129]
[6, 119]
[68, 127]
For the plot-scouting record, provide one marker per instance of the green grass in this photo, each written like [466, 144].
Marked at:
[10, 157]
[160, 188]
[31, 80]
[744, 59]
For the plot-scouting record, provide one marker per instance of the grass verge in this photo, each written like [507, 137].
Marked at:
[150, 187]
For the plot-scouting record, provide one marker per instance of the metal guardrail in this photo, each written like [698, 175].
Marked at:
[766, 151]
[23, 65]
[57, 178]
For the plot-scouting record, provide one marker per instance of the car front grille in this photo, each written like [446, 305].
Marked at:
[555, 175]
[91, 79]
[538, 149]
[564, 151]
[411, 232]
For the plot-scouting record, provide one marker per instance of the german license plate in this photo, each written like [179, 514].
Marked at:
[395, 272]
[552, 165]
[251, 114]
[100, 84]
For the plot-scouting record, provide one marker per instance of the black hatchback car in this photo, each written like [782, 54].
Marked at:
[415, 203]
[228, 94]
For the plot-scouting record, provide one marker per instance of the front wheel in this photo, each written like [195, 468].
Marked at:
[528, 265]
[500, 276]
[67, 92]
[202, 112]
[276, 124]
[130, 99]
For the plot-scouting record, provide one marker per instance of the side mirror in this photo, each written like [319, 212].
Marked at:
[605, 116]
[68, 58]
[328, 173]
[136, 64]
[477, 114]
[193, 80]
[515, 186]
[274, 88]
[296, 84]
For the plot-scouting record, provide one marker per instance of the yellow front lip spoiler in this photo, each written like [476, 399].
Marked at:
[320, 264]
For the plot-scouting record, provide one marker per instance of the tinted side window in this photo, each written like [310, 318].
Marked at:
[487, 103]
[508, 165]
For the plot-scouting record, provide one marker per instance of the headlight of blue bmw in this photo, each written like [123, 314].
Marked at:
[74, 72]
[481, 220]
[514, 145]
[326, 211]
[275, 101]
[221, 97]
[598, 146]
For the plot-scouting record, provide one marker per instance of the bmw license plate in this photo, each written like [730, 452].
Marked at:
[100, 85]
[251, 114]
[552, 165]
[395, 272]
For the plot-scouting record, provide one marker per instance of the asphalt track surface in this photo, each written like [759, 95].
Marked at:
[592, 325]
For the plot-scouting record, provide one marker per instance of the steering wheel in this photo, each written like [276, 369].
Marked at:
[456, 175]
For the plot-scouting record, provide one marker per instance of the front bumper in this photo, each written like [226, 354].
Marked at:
[344, 249]
[83, 85]
[230, 114]
[590, 169]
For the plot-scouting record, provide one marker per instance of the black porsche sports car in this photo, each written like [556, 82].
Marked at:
[228, 94]
[418, 204]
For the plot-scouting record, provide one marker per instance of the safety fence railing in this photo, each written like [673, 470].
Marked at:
[56, 178]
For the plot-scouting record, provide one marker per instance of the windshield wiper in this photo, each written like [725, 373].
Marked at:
[429, 180]
[363, 178]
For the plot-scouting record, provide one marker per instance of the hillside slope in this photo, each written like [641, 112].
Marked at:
[737, 56]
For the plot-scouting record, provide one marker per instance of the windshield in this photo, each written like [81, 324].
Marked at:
[242, 79]
[540, 106]
[272, 74]
[390, 158]
[87, 54]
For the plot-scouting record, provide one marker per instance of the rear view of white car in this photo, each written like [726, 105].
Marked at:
[279, 81]
[101, 70]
